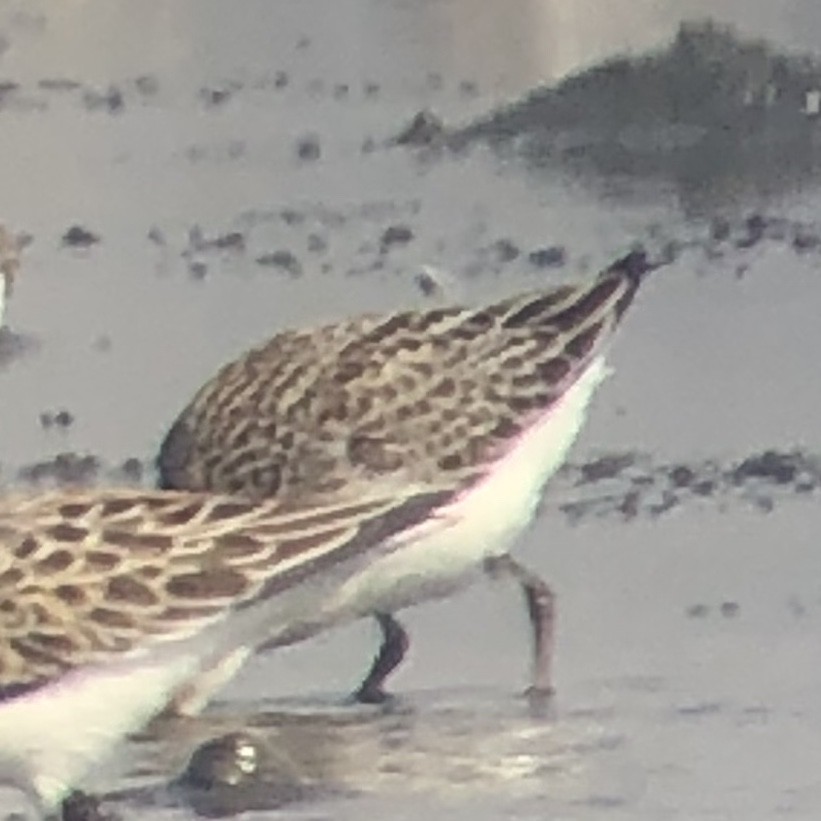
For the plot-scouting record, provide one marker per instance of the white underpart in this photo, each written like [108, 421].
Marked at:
[51, 737]
[449, 550]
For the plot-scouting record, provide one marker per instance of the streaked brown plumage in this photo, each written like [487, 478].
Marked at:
[89, 573]
[426, 397]
[415, 394]
[112, 601]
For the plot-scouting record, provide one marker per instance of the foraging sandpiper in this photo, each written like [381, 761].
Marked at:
[480, 405]
[110, 601]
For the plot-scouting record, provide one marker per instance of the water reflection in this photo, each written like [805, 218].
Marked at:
[453, 747]
[500, 48]
[723, 118]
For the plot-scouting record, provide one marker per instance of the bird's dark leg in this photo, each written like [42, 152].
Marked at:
[395, 643]
[541, 608]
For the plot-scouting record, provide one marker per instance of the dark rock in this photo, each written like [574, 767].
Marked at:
[554, 256]
[232, 241]
[290, 216]
[63, 419]
[63, 469]
[317, 244]
[156, 235]
[198, 242]
[281, 79]
[79, 237]
[729, 609]
[804, 240]
[606, 467]
[213, 97]
[236, 773]
[424, 129]
[229, 760]
[197, 269]
[395, 235]
[756, 226]
[428, 284]
[706, 487]
[284, 260]
[505, 250]
[147, 85]
[308, 148]
[629, 506]
[697, 611]
[111, 100]
[719, 229]
[780, 468]
[132, 469]
[682, 476]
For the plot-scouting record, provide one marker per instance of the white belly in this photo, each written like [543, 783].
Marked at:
[448, 551]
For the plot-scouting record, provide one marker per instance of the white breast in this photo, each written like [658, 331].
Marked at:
[446, 552]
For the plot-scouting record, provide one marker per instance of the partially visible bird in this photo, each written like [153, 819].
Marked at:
[481, 403]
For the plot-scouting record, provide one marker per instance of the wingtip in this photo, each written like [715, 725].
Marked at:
[635, 265]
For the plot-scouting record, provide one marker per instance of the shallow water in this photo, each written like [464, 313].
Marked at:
[688, 668]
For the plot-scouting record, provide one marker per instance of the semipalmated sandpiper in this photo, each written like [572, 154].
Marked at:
[481, 403]
[110, 601]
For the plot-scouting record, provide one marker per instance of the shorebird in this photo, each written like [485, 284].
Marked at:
[9, 265]
[479, 403]
[111, 600]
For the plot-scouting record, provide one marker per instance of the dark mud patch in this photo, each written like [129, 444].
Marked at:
[14, 346]
[720, 117]
[78, 236]
[283, 260]
[425, 129]
[631, 485]
[70, 470]
[624, 486]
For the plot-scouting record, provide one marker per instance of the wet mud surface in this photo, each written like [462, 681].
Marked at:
[216, 174]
